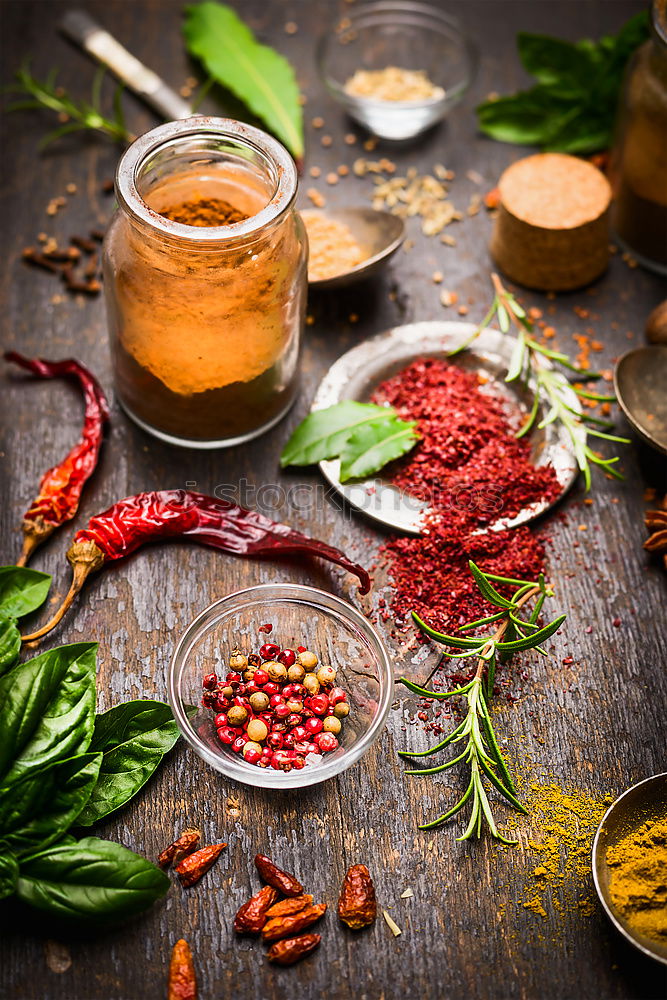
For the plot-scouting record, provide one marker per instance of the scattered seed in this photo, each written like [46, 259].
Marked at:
[408, 894]
[326, 140]
[437, 277]
[350, 139]
[332, 178]
[317, 122]
[391, 924]
[314, 171]
[291, 28]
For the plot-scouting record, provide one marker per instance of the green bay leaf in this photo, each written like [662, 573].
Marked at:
[258, 75]
[371, 447]
[323, 433]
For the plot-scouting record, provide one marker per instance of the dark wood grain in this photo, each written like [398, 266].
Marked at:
[597, 726]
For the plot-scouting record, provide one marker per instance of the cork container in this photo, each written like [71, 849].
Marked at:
[552, 228]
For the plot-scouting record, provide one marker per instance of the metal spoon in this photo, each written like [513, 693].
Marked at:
[644, 801]
[640, 383]
[379, 233]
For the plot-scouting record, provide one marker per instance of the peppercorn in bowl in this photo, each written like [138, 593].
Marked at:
[280, 685]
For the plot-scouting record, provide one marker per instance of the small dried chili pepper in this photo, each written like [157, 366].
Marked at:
[191, 869]
[182, 978]
[181, 514]
[181, 847]
[280, 927]
[275, 876]
[251, 917]
[287, 906]
[293, 950]
[61, 487]
[357, 906]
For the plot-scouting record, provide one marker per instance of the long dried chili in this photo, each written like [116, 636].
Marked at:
[188, 516]
[61, 486]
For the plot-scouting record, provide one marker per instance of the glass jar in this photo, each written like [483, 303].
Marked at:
[639, 158]
[205, 282]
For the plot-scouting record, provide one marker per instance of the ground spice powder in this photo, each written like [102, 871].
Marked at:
[638, 883]
[200, 211]
[472, 470]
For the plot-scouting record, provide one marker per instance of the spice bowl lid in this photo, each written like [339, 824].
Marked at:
[300, 615]
[641, 803]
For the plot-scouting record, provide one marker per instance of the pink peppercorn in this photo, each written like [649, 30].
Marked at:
[209, 681]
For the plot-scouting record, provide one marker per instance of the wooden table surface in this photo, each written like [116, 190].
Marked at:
[596, 727]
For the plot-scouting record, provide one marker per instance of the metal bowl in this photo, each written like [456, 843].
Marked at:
[640, 383]
[644, 801]
[358, 373]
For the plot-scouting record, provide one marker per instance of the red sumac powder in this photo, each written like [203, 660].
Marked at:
[472, 470]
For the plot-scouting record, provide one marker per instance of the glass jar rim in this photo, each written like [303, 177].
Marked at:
[130, 163]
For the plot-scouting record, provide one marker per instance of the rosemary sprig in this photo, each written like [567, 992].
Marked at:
[527, 360]
[513, 632]
[76, 116]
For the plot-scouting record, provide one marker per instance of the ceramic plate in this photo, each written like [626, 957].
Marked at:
[358, 373]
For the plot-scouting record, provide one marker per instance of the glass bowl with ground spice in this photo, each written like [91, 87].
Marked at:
[630, 865]
[396, 66]
[284, 623]
[205, 282]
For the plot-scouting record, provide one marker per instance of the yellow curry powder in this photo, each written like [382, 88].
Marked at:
[638, 882]
[556, 838]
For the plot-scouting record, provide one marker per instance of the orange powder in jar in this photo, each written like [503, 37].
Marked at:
[205, 328]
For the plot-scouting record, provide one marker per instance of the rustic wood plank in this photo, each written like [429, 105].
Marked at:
[596, 726]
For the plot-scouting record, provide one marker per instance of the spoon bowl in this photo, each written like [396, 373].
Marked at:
[640, 383]
[644, 801]
[379, 233]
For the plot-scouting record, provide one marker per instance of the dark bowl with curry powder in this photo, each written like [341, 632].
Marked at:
[630, 865]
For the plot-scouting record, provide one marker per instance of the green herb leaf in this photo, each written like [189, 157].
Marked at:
[93, 880]
[47, 708]
[21, 590]
[530, 641]
[486, 589]
[9, 873]
[259, 76]
[133, 738]
[10, 644]
[572, 107]
[372, 447]
[40, 806]
[323, 433]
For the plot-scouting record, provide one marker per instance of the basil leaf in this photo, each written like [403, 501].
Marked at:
[47, 708]
[21, 590]
[370, 448]
[39, 807]
[258, 75]
[93, 880]
[133, 738]
[9, 872]
[10, 644]
[323, 433]
[528, 118]
[555, 61]
[573, 106]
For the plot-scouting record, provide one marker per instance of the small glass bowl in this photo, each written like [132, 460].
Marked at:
[301, 616]
[401, 33]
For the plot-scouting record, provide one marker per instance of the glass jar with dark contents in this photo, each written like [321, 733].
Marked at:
[205, 282]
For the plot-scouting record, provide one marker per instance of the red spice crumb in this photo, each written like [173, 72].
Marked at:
[568, 661]
[265, 628]
[472, 470]
[616, 623]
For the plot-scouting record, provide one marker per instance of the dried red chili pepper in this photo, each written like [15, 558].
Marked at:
[61, 487]
[280, 927]
[182, 977]
[191, 869]
[275, 876]
[251, 917]
[181, 514]
[181, 847]
[357, 906]
[293, 950]
[287, 906]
